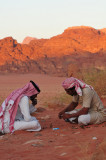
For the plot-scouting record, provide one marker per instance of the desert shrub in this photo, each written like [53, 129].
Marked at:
[97, 79]
[92, 76]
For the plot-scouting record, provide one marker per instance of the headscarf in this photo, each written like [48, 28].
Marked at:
[74, 82]
[12, 101]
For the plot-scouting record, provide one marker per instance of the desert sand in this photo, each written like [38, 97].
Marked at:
[68, 142]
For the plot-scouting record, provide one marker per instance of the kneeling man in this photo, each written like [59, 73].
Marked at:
[92, 111]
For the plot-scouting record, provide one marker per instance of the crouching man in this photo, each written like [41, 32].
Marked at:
[15, 110]
[92, 111]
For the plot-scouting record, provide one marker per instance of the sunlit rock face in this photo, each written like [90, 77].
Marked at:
[76, 48]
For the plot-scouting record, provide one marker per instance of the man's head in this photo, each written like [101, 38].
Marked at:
[71, 91]
[36, 87]
[34, 96]
[72, 85]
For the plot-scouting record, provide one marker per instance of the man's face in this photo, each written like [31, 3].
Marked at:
[71, 92]
[33, 97]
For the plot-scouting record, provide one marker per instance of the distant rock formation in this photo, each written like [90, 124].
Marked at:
[28, 39]
[76, 48]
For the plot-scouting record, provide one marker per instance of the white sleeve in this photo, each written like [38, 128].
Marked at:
[24, 107]
[32, 108]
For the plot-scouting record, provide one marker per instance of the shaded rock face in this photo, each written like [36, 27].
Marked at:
[75, 49]
[60, 66]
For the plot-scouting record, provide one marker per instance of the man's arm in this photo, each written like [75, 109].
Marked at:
[81, 112]
[70, 107]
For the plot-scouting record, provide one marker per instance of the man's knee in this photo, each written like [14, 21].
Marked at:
[27, 118]
[80, 119]
[84, 119]
[36, 125]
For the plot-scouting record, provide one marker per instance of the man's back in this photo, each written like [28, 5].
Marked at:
[91, 100]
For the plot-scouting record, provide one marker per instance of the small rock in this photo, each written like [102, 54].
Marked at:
[76, 132]
[37, 145]
[94, 138]
[62, 135]
[73, 127]
[46, 117]
[33, 141]
[63, 154]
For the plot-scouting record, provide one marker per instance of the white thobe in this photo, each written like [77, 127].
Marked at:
[23, 119]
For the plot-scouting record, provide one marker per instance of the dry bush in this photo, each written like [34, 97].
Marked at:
[97, 79]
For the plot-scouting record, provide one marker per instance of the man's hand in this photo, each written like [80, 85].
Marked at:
[60, 115]
[66, 116]
[70, 107]
[34, 102]
[33, 99]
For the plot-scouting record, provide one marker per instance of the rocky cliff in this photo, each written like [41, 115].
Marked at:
[76, 48]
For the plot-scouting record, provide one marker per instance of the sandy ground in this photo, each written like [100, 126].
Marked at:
[68, 142]
[50, 86]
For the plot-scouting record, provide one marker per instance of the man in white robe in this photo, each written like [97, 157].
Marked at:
[15, 110]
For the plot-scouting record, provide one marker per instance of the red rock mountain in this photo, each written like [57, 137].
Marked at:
[103, 30]
[59, 52]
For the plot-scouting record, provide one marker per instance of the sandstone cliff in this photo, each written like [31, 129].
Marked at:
[76, 48]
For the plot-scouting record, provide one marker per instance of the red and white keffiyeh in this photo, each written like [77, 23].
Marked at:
[71, 82]
[12, 101]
